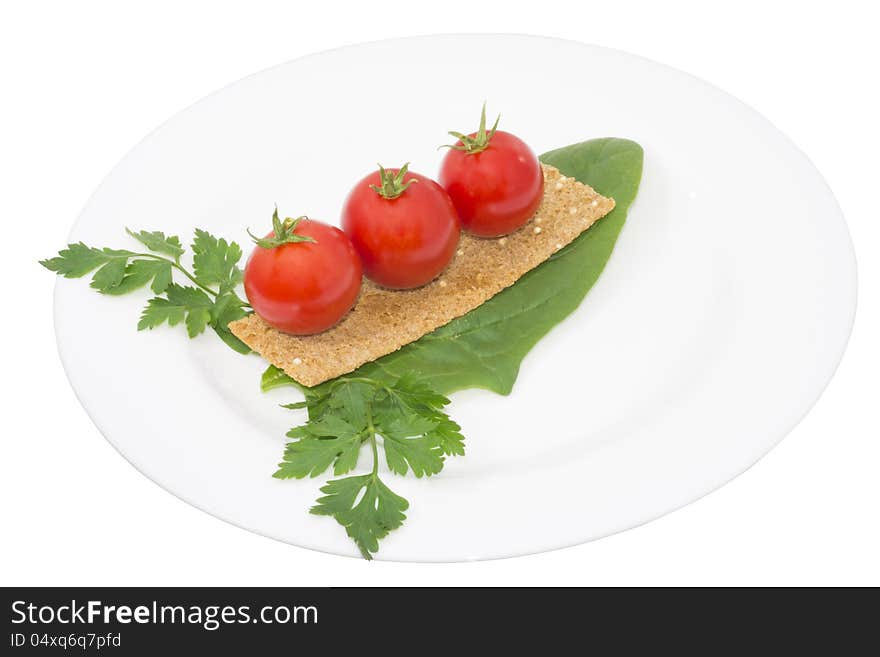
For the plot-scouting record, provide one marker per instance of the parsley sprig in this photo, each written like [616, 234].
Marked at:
[405, 417]
[211, 300]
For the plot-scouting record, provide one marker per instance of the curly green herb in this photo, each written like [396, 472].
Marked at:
[405, 417]
[211, 301]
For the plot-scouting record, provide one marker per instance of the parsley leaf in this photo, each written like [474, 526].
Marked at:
[410, 398]
[78, 260]
[447, 434]
[156, 241]
[110, 274]
[187, 304]
[408, 442]
[322, 442]
[351, 401]
[140, 272]
[326, 440]
[378, 512]
[159, 311]
[215, 261]
[405, 417]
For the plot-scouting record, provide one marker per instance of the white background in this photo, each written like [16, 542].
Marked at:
[81, 83]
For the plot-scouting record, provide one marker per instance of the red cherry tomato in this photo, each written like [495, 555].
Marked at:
[494, 180]
[403, 226]
[303, 287]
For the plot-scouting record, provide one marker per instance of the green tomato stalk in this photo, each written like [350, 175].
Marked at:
[480, 141]
[393, 184]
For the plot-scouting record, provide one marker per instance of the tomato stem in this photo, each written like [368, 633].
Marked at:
[393, 184]
[480, 141]
[283, 232]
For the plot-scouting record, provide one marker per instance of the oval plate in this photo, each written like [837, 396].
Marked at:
[716, 325]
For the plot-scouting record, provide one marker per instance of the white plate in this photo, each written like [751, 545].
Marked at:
[717, 323]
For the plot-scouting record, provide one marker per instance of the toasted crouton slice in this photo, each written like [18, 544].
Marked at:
[384, 320]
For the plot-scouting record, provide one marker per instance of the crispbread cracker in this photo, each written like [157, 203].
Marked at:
[384, 320]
